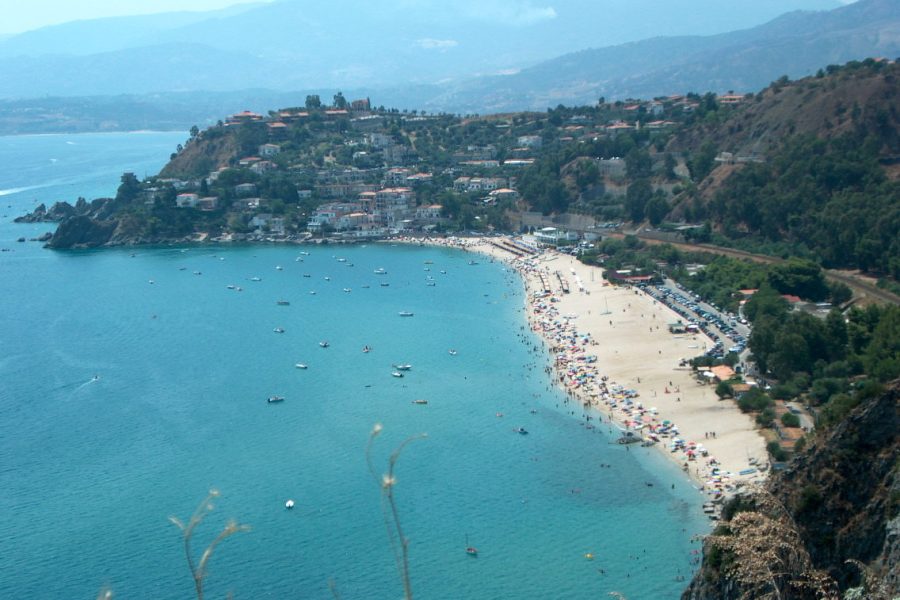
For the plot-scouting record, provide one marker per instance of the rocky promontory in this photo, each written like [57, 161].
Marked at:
[828, 526]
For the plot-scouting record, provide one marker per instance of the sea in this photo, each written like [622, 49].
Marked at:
[136, 380]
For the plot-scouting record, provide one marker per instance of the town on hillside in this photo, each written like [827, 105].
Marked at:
[349, 171]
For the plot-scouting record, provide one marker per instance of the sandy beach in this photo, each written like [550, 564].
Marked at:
[610, 349]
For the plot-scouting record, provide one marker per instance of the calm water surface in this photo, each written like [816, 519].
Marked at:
[91, 469]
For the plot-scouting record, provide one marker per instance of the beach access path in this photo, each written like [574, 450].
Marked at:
[627, 331]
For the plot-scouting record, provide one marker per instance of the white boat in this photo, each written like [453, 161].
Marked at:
[420, 401]
[282, 303]
[430, 283]
[348, 290]
[405, 313]
[278, 330]
[380, 271]
[279, 268]
[274, 399]
[255, 279]
[397, 374]
[289, 504]
[324, 344]
[452, 352]
[403, 367]
[230, 287]
[342, 260]
[301, 365]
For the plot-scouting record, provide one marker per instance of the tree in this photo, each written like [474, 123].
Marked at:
[195, 131]
[313, 102]
[636, 199]
[129, 188]
[657, 208]
[339, 101]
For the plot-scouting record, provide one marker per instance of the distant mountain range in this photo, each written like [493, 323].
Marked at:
[796, 44]
[471, 57]
[298, 45]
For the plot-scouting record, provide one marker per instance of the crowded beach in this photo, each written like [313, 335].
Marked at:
[610, 350]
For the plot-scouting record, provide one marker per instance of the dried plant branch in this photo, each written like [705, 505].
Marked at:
[387, 481]
[770, 559]
[198, 571]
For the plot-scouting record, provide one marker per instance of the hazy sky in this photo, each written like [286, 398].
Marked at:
[23, 15]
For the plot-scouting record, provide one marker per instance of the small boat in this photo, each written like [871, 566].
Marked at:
[397, 374]
[301, 365]
[473, 262]
[366, 349]
[274, 399]
[305, 253]
[327, 278]
[342, 260]
[312, 293]
[405, 313]
[282, 303]
[307, 275]
[380, 271]
[521, 431]
[420, 401]
[197, 273]
[230, 287]
[385, 284]
[289, 504]
[429, 262]
[403, 367]
[255, 279]
[430, 283]
[443, 272]
[471, 550]
[452, 352]
[279, 268]
[324, 344]
[348, 290]
[366, 286]
[278, 330]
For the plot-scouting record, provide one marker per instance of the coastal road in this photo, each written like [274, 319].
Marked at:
[862, 289]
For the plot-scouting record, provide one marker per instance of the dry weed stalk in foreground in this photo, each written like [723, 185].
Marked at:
[770, 559]
[387, 481]
[198, 570]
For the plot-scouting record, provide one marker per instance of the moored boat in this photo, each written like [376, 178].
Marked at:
[405, 313]
[274, 399]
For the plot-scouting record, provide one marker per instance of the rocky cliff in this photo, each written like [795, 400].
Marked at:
[826, 527]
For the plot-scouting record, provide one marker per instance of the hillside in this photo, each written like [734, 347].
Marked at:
[805, 167]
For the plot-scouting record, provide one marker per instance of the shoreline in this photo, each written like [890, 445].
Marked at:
[609, 349]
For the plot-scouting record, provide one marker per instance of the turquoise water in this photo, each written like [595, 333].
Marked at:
[90, 470]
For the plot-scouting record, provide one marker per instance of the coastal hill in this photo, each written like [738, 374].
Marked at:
[777, 172]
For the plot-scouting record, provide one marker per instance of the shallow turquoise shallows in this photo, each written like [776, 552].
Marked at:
[134, 380]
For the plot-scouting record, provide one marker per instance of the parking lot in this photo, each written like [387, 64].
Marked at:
[729, 332]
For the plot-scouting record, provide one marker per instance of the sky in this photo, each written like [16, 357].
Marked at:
[24, 15]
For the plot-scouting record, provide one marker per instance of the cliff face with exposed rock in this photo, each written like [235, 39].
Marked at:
[827, 526]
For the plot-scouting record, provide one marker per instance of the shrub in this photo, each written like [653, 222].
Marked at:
[776, 451]
[789, 419]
